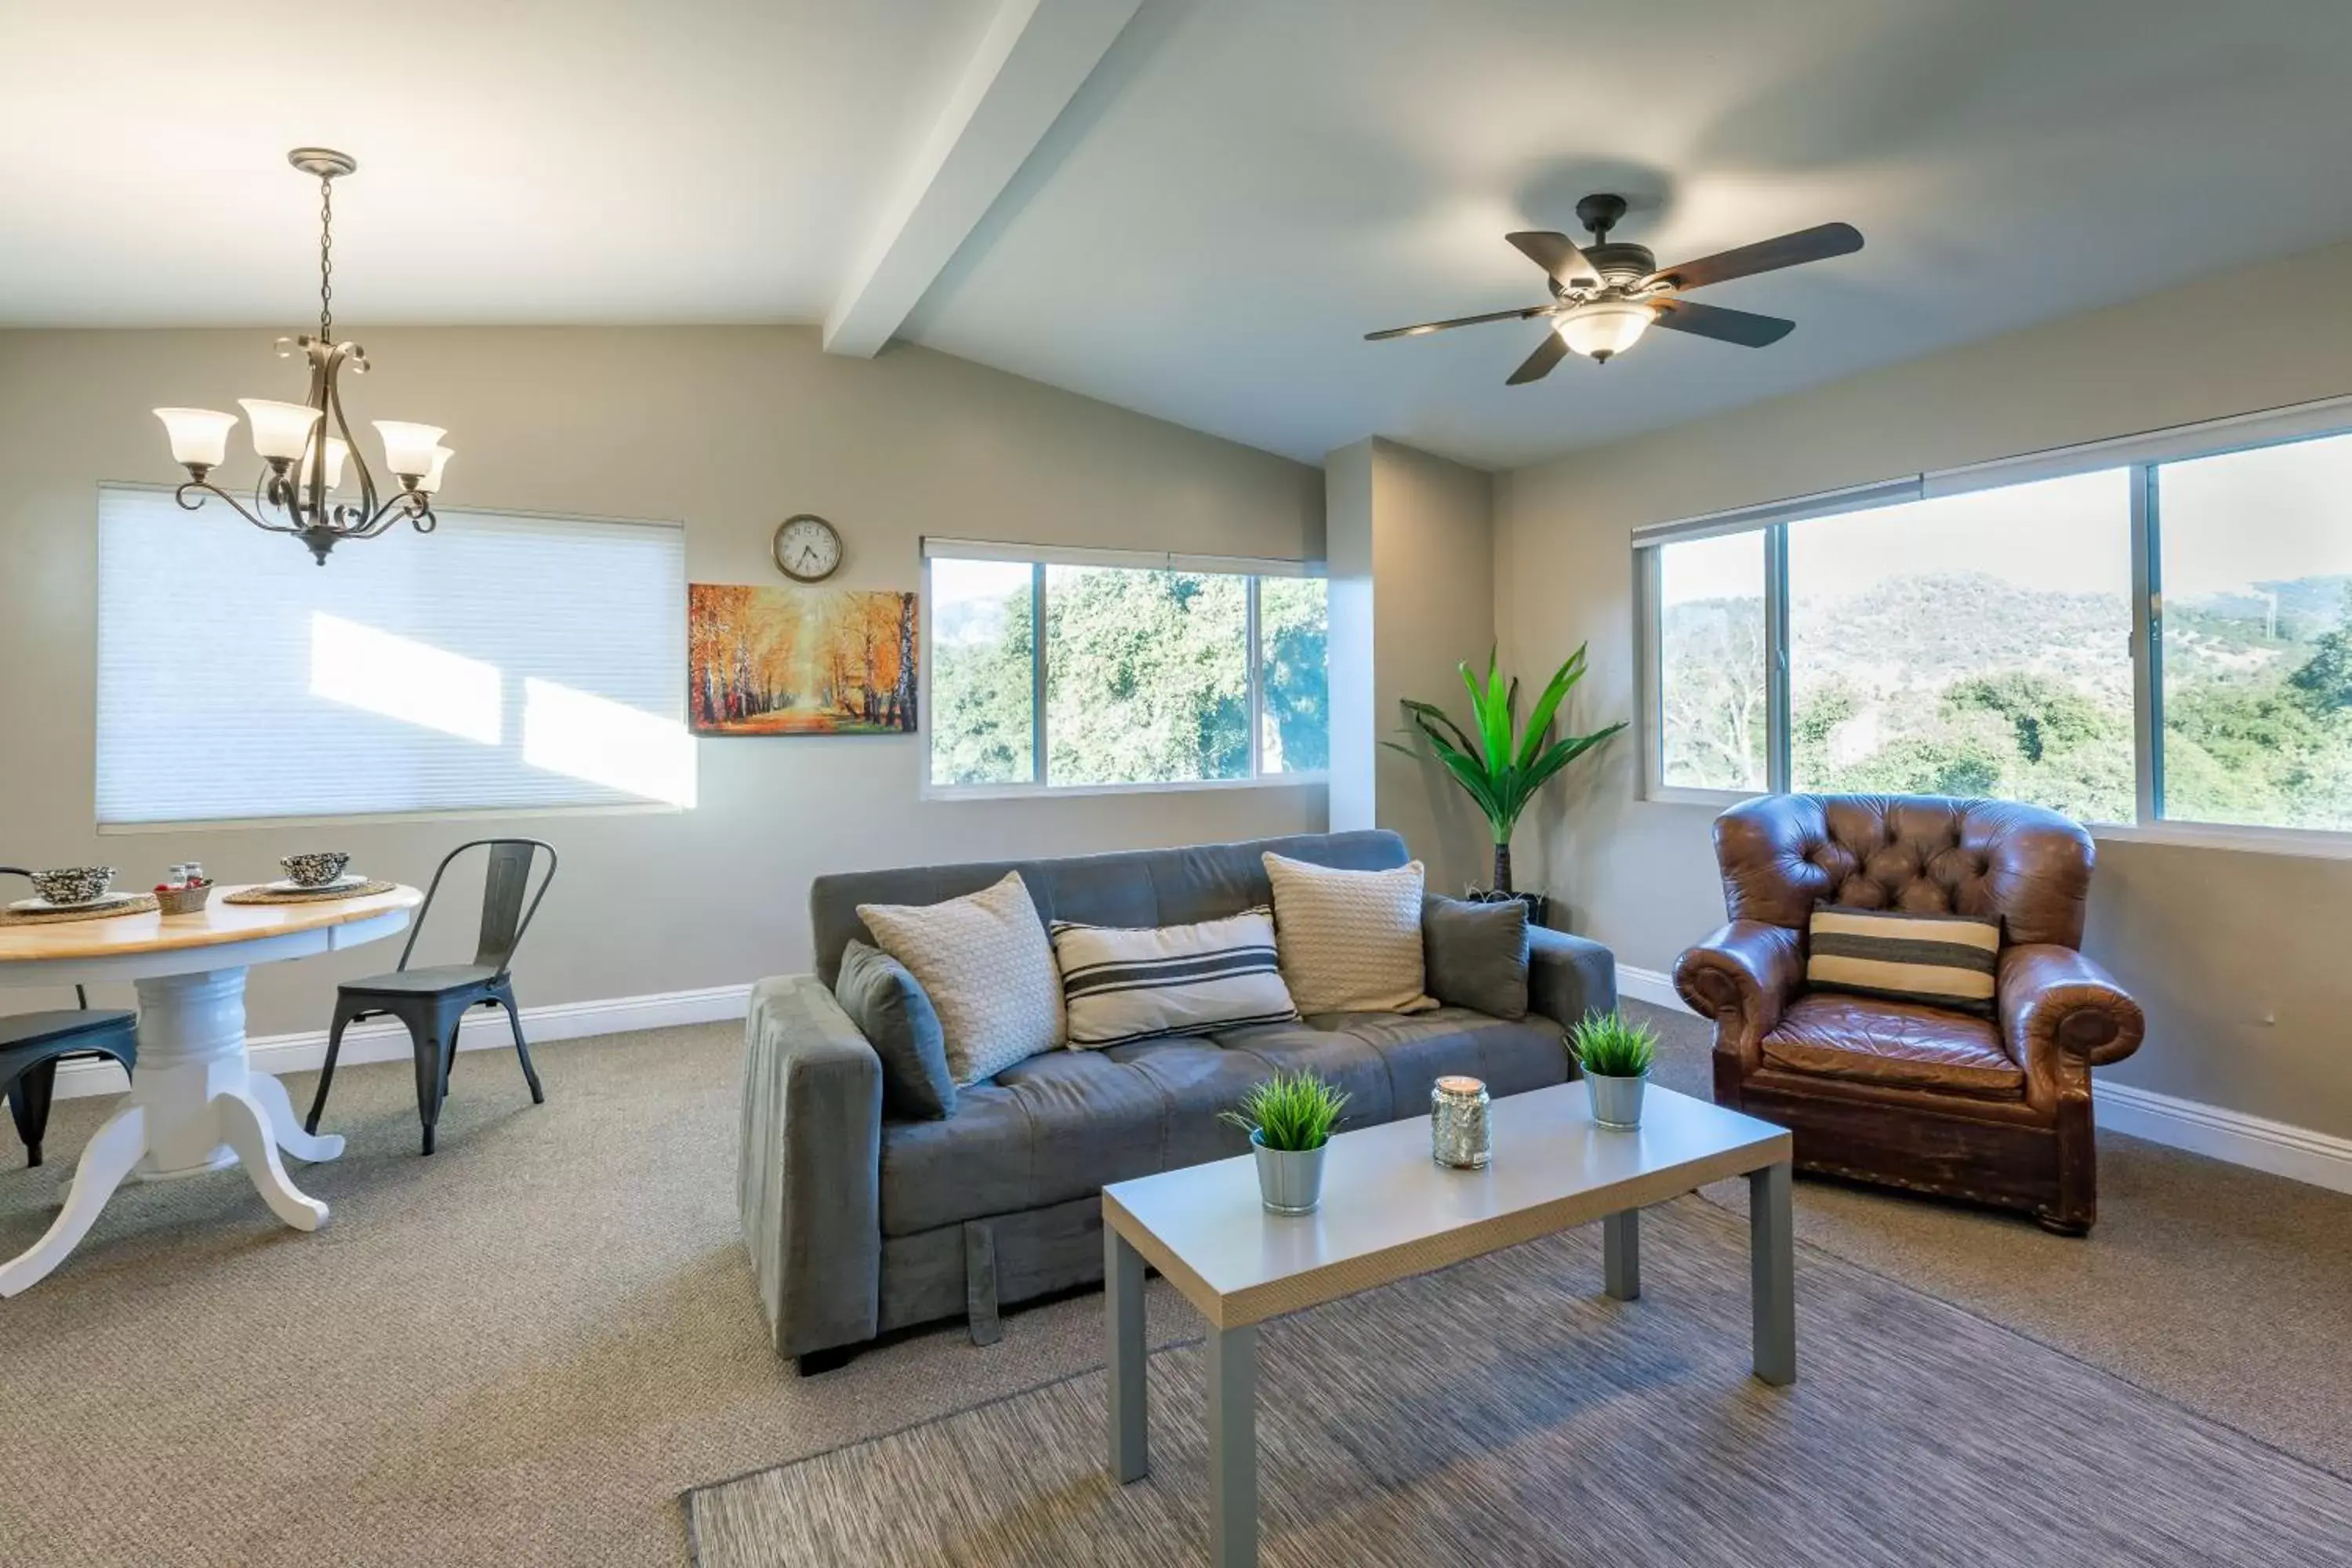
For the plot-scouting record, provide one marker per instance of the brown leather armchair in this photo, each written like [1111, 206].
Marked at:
[1996, 1111]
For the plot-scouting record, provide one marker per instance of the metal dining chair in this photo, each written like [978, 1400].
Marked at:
[432, 1000]
[33, 1044]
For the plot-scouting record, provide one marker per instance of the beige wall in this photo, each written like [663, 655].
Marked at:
[1412, 584]
[728, 429]
[2213, 941]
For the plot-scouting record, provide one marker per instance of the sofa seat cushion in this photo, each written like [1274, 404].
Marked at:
[1901, 1044]
[1512, 1055]
[1066, 1124]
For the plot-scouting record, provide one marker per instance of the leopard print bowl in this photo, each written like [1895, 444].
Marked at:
[314, 871]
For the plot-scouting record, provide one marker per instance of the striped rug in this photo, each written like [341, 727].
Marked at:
[1504, 1412]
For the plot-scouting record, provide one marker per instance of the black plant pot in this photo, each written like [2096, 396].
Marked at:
[1539, 904]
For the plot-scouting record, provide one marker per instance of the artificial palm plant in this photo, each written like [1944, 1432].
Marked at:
[1500, 765]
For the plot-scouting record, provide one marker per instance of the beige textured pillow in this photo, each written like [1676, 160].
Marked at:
[986, 965]
[1349, 942]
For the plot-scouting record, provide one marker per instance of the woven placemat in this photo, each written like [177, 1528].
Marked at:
[144, 904]
[264, 894]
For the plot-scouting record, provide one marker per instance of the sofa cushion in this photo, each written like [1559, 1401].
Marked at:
[1122, 985]
[1510, 1055]
[898, 1020]
[1066, 1124]
[1901, 1044]
[1349, 939]
[1477, 954]
[1938, 960]
[985, 963]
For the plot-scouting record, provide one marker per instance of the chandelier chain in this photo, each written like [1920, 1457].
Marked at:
[326, 259]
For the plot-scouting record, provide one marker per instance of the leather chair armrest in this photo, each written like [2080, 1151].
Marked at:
[809, 1173]
[1742, 977]
[2055, 1003]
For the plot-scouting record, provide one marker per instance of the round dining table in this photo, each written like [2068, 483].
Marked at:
[196, 1104]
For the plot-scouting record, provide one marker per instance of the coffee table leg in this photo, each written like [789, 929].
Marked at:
[1772, 1263]
[1232, 1447]
[1130, 1459]
[1620, 1254]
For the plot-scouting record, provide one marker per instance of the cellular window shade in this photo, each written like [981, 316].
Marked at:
[500, 662]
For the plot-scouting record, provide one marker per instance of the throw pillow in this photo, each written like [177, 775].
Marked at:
[1478, 954]
[1121, 984]
[985, 963]
[1350, 942]
[1944, 961]
[899, 1021]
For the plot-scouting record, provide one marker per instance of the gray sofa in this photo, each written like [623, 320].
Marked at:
[859, 1223]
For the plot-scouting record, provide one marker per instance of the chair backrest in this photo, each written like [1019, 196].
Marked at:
[1780, 854]
[504, 886]
[81, 996]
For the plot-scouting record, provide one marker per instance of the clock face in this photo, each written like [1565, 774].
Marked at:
[807, 548]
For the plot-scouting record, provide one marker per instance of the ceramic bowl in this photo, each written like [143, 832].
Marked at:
[314, 871]
[73, 884]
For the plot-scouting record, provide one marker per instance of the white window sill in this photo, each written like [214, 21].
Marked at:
[2311, 843]
[367, 819]
[1060, 792]
[1679, 794]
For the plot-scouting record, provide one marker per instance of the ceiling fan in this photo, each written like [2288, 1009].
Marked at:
[1605, 296]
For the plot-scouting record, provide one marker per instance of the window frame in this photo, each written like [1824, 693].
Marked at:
[1252, 570]
[2142, 456]
[436, 814]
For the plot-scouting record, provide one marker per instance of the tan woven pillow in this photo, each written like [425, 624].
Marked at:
[1349, 942]
[985, 963]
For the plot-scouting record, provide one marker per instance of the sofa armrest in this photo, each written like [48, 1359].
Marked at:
[1742, 977]
[1569, 976]
[808, 1177]
[2061, 1014]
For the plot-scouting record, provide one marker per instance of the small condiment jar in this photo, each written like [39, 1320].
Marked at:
[1461, 1132]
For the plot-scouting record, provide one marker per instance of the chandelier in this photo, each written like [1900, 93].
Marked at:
[305, 451]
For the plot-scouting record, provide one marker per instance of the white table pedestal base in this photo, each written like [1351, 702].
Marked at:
[195, 1105]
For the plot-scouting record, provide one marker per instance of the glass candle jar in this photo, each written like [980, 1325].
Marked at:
[1460, 1132]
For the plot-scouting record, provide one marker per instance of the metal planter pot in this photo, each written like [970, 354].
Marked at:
[1616, 1101]
[1289, 1181]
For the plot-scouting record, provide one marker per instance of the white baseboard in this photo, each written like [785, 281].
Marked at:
[385, 1040]
[2299, 1154]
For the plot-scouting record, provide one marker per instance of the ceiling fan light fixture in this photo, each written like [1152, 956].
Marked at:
[1604, 328]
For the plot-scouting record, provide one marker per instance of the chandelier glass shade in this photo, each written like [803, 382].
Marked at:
[305, 447]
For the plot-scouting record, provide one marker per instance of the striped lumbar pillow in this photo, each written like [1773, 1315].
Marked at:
[1121, 984]
[1944, 961]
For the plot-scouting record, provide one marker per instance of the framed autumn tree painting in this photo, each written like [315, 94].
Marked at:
[798, 661]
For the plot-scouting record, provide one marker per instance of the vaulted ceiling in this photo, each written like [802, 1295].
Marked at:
[1190, 208]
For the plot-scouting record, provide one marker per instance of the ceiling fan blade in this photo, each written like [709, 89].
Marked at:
[1415, 332]
[1538, 366]
[1745, 328]
[1816, 244]
[1558, 254]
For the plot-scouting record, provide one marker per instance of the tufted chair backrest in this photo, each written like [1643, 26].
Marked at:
[1783, 853]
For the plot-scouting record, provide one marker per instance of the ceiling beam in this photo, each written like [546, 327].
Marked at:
[1034, 58]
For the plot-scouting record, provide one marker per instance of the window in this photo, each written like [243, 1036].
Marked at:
[1973, 644]
[2256, 634]
[2156, 630]
[1149, 671]
[498, 662]
[1711, 659]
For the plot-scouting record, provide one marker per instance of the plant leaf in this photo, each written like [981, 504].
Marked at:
[1563, 680]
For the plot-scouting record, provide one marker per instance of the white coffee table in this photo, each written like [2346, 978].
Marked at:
[1388, 1213]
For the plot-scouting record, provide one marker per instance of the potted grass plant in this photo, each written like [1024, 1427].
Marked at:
[1616, 1055]
[1498, 765]
[1290, 1118]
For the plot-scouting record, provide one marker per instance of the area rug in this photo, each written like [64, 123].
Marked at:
[1507, 1411]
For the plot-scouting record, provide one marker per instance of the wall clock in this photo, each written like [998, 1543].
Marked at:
[808, 548]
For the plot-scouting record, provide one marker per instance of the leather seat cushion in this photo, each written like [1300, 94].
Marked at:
[1901, 1044]
[1064, 1124]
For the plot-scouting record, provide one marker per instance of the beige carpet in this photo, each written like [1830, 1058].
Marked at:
[524, 1349]
[1507, 1413]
